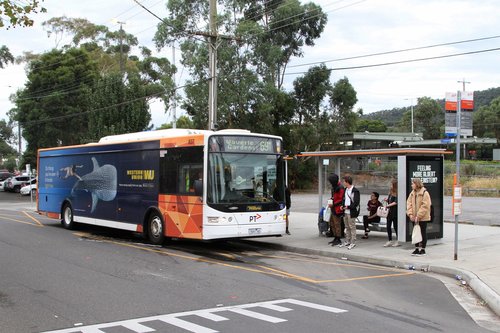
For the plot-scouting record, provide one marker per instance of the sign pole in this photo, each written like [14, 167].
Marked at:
[459, 107]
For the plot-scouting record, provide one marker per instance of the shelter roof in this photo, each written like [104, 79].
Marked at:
[372, 152]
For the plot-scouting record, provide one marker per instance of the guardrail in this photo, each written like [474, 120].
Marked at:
[477, 191]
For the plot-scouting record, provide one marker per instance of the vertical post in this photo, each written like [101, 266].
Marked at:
[212, 96]
[403, 180]
[320, 183]
[121, 48]
[412, 131]
[174, 99]
[459, 107]
[411, 108]
[19, 144]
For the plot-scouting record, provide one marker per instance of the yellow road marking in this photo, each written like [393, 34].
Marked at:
[365, 266]
[367, 277]
[8, 218]
[34, 219]
[263, 269]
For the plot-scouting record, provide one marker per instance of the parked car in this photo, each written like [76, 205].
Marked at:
[4, 174]
[2, 184]
[29, 188]
[14, 184]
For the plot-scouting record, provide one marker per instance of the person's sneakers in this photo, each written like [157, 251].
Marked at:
[416, 252]
[388, 243]
[351, 246]
[396, 244]
[288, 232]
[365, 236]
[421, 253]
[344, 244]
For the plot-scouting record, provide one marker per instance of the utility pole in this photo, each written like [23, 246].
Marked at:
[463, 83]
[174, 105]
[212, 86]
[457, 166]
[463, 89]
[122, 65]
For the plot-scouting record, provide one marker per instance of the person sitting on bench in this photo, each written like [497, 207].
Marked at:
[372, 206]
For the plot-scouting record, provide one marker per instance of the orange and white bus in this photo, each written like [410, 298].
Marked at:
[175, 183]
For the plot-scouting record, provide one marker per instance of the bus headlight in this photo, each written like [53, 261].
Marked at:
[218, 219]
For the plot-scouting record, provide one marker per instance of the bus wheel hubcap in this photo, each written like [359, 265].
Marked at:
[156, 227]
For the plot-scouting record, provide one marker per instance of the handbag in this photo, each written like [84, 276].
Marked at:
[416, 235]
[382, 211]
[327, 214]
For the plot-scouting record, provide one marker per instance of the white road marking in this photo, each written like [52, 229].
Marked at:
[256, 315]
[138, 326]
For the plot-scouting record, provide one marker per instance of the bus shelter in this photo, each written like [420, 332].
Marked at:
[424, 163]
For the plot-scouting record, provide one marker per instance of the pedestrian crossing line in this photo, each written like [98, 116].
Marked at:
[176, 319]
[256, 315]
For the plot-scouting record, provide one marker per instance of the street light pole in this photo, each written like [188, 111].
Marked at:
[212, 95]
[411, 100]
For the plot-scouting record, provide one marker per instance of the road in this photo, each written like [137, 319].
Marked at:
[100, 280]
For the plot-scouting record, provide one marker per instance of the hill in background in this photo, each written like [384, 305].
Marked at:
[392, 117]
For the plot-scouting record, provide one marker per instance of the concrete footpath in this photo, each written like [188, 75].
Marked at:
[478, 260]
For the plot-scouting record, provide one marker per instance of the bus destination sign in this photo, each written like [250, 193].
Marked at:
[245, 144]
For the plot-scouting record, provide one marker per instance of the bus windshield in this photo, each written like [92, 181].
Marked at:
[241, 178]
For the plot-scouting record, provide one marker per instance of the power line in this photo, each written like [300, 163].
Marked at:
[397, 51]
[76, 114]
[404, 61]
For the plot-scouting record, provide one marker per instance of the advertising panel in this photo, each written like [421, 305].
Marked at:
[110, 182]
[430, 170]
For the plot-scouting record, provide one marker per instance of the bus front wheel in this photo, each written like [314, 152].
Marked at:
[155, 229]
[67, 217]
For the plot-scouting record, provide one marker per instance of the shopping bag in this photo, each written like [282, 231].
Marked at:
[416, 235]
[327, 214]
[382, 211]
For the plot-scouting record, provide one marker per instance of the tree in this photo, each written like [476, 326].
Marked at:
[182, 122]
[53, 107]
[7, 138]
[5, 56]
[370, 125]
[428, 117]
[117, 107]
[310, 118]
[266, 35]
[17, 14]
[486, 120]
[343, 97]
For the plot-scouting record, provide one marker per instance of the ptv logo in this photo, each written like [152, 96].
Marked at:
[254, 218]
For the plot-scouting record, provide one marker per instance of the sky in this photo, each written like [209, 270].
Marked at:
[356, 30]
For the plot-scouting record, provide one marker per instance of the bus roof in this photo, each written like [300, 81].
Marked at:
[171, 132]
[151, 135]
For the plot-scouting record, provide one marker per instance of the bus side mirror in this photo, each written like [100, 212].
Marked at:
[198, 187]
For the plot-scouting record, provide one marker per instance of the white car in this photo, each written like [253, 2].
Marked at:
[30, 188]
[2, 184]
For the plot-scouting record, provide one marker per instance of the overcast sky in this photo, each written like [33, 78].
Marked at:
[355, 28]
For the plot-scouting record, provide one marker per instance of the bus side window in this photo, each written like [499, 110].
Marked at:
[189, 174]
[179, 168]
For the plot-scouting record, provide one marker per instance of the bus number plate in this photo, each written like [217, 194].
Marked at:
[254, 231]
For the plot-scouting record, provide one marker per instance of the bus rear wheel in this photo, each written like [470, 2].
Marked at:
[155, 229]
[67, 217]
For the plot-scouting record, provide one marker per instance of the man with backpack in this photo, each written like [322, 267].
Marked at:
[336, 208]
